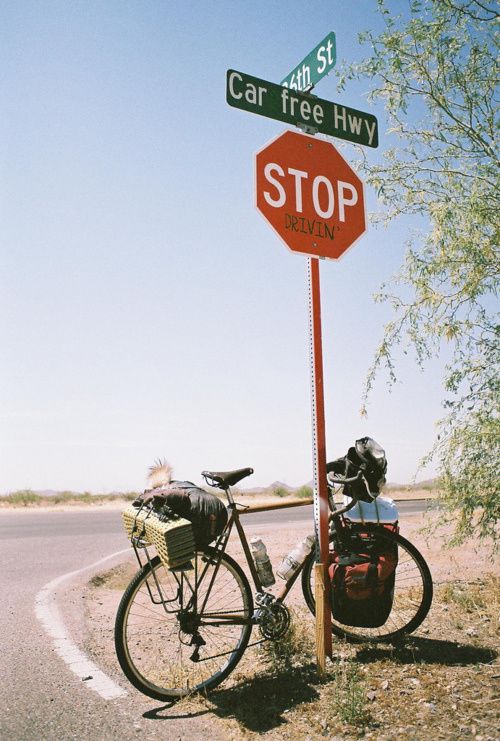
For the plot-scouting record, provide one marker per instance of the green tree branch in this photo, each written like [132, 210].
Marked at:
[440, 64]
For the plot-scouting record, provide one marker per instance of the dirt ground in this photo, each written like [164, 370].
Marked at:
[441, 683]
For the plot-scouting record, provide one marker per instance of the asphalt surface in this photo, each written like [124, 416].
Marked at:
[40, 698]
[32, 524]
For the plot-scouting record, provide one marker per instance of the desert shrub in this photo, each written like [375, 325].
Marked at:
[22, 498]
[280, 491]
[304, 492]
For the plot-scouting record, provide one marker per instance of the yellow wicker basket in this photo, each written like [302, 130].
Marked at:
[172, 537]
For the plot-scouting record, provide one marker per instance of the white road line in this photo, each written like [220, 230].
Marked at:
[48, 614]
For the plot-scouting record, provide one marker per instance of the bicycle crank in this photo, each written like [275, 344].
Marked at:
[273, 619]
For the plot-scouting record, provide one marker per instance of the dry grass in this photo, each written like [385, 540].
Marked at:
[439, 684]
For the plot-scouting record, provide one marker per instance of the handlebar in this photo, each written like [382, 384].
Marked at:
[351, 480]
[342, 481]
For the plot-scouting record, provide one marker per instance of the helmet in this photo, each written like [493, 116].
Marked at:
[372, 461]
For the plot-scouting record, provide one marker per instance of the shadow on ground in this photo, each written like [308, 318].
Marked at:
[163, 713]
[418, 650]
[258, 704]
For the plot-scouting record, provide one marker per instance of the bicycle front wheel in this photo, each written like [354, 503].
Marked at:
[177, 633]
[412, 593]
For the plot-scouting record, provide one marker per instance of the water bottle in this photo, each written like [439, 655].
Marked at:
[262, 562]
[295, 558]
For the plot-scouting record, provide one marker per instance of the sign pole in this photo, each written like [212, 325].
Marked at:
[315, 202]
[321, 509]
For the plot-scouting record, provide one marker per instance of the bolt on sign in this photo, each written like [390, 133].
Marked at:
[310, 195]
[316, 65]
[300, 109]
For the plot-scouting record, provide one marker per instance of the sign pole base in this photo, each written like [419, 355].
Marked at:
[321, 602]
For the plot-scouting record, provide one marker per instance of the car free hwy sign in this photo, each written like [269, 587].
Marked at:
[300, 109]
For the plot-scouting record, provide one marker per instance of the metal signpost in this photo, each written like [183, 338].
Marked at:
[321, 509]
[316, 65]
[315, 202]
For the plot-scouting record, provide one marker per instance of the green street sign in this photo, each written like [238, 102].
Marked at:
[316, 65]
[300, 109]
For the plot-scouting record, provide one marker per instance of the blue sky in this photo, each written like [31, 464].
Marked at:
[147, 308]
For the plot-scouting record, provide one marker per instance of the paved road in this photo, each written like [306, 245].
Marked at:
[35, 525]
[42, 698]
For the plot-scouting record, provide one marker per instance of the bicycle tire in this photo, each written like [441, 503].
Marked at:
[153, 646]
[412, 593]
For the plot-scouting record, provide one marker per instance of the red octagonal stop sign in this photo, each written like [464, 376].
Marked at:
[310, 195]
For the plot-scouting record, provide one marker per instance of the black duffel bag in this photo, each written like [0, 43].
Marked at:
[206, 512]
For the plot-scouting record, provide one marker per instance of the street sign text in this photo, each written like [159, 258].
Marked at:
[310, 195]
[316, 65]
[274, 101]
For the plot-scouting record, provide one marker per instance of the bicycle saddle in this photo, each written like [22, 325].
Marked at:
[228, 478]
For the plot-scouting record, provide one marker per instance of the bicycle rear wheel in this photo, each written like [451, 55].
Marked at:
[166, 647]
[412, 593]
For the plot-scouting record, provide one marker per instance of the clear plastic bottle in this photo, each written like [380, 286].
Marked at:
[262, 562]
[295, 558]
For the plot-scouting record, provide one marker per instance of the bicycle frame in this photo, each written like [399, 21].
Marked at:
[336, 517]
[218, 550]
[219, 618]
[235, 519]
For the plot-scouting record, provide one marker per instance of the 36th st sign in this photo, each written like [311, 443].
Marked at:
[314, 67]
[274, 101]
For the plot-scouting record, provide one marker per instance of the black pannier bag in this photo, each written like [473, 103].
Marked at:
[366, 456]
[205, 511]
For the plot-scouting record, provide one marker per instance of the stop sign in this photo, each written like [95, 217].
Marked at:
[310, 195]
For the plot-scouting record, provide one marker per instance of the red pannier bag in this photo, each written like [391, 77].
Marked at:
[362, 584]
